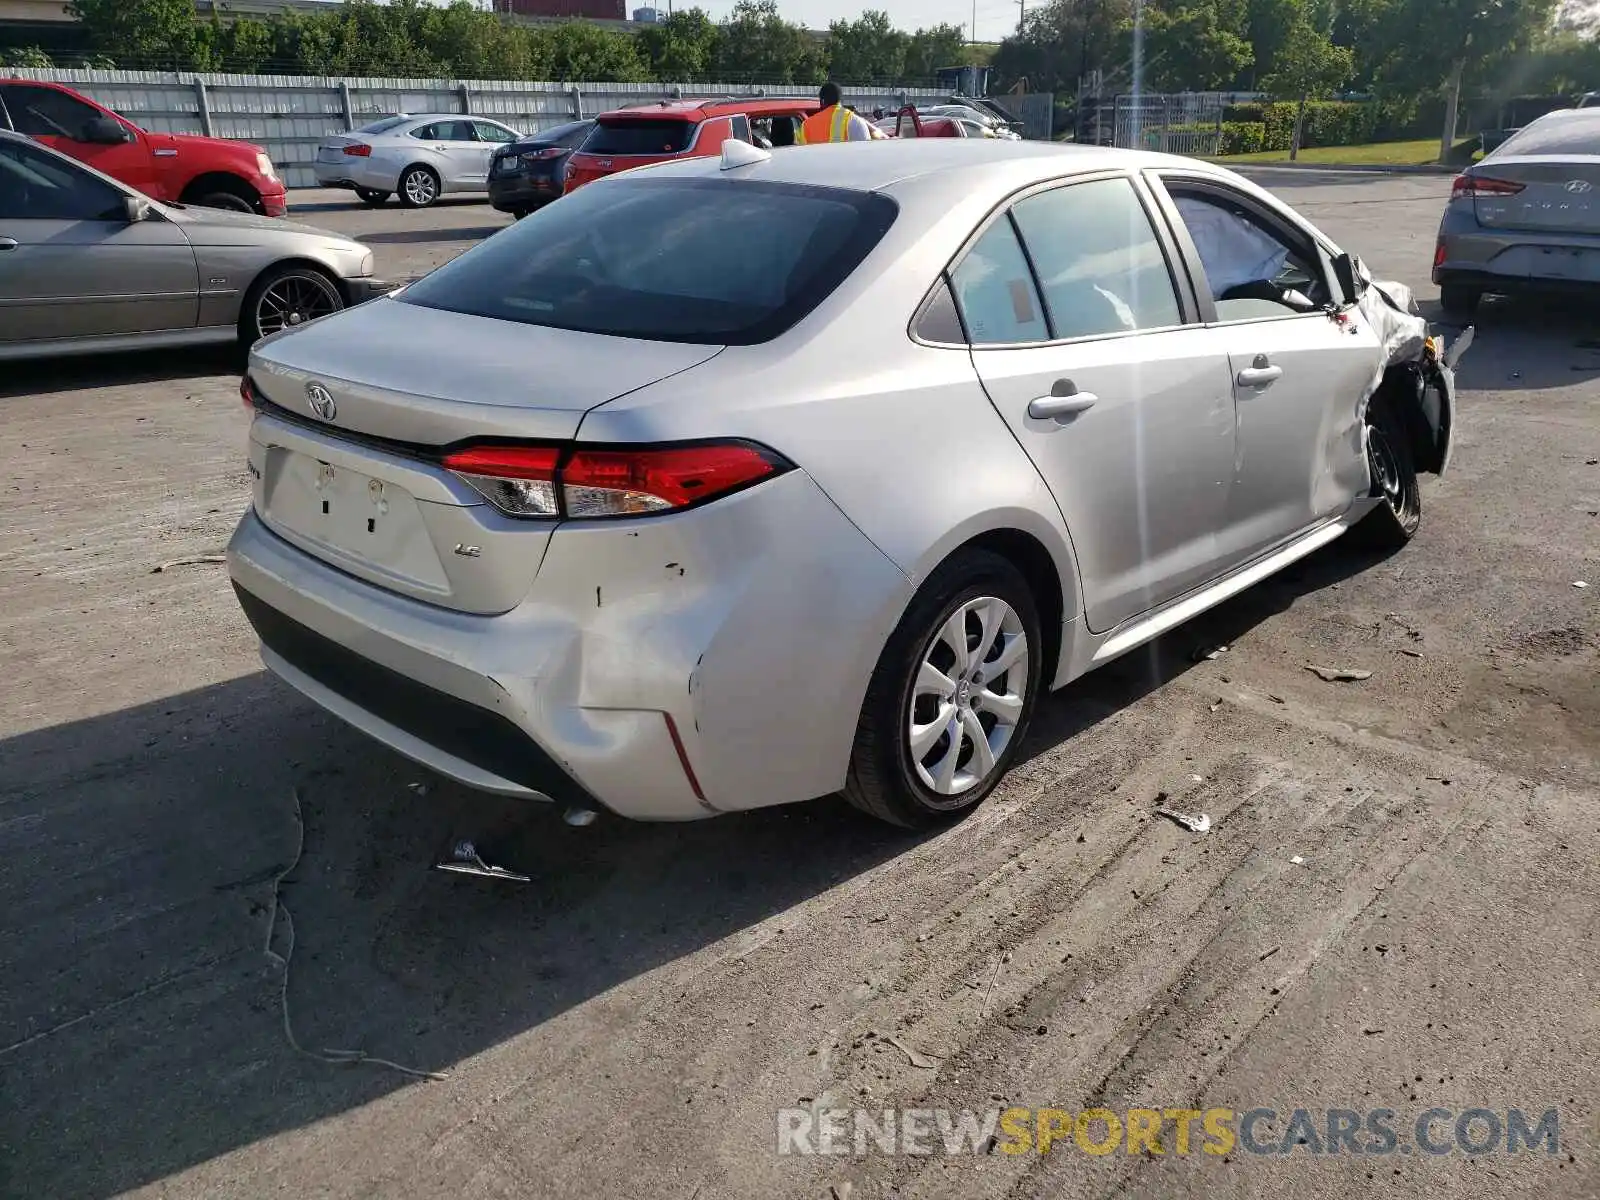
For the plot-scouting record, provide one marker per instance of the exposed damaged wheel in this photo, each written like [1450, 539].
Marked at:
[1396, 518]
[951, 696]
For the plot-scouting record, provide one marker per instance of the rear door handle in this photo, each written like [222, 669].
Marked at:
[1259, 376]
[8, 243]
[1064, 400]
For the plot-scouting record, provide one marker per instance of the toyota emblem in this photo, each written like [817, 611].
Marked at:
[1578, 186]
[321, 402]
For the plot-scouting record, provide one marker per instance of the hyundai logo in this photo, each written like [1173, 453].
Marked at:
[1578, 186]
[321, 401]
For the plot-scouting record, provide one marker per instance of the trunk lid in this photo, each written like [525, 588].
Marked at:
[331, 149]
[1560, 196]
[345, 472]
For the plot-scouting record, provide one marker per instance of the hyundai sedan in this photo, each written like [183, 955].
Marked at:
[741, 481]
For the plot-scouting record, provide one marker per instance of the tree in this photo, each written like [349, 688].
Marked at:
[929, 49]
[26, 56]
[1309, 65]
[1062, 42]
[866, 50]
[756, 45]
[139, 33]
[580, 52]
[1193, 49]
[1267, 26]
[682, 48]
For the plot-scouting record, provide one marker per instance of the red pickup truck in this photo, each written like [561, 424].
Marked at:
[175, 167]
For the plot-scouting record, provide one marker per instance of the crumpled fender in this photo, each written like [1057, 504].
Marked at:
[1414, 371]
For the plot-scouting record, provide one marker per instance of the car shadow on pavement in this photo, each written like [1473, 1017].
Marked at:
[1525, 343]
[141, 1034]
[48, 376]
[407, 237]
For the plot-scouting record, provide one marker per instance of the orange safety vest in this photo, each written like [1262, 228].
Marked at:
[827, 125]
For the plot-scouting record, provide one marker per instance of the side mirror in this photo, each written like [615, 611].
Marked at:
[103, 131]
[1351, 276]
[136, 209]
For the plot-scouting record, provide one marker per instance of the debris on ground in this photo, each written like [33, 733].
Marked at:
[1193, 824]
[1578, 583]
[841, 1191]
[1267, 954]
[201, 560]
[1203, 653]
[917, 1059]
[1339, 674]
[465, 860]
[1297, 860]
[1406, 650]
[419, 788]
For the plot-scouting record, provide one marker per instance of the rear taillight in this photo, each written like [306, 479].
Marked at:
[544, 155]
[247, 392]
[359, 150]
[520, 480]
[582, 482]
[1438, 253]
[1468, 187]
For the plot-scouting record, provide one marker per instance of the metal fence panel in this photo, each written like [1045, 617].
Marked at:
[1180, 123]
[289, 115]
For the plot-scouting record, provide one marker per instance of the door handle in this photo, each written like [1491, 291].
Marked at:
[1064, 400]
[1259, 376]
[8, 243]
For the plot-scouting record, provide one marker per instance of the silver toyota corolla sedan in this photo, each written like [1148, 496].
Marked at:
[1525, 218]
[418, 157]
[730, 483]
[89, 265]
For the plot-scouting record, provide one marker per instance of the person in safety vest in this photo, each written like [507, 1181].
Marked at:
[833, 122]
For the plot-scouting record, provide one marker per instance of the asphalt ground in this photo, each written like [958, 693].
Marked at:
[1397, 906]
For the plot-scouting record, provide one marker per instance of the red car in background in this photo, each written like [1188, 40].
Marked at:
[178, 168]
[653, 133]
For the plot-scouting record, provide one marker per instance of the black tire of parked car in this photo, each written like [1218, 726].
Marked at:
[1396, 519]
[315, 281]
[224, 194]
[412, 196]
[882, 779]
[1458, 300]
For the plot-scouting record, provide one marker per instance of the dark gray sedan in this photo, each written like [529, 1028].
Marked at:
[1525, 218]
[88, 265]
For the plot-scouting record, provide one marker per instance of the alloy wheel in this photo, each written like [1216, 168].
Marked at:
[968, 696]
[294, 300]
[421, 189]
[1385, 469]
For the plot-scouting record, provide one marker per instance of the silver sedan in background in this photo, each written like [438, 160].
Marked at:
[732, 483]
[1525, 218]
[419, 157]
[90, 265]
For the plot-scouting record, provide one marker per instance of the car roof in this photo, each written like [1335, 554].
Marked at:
[716, 106]
[895, 162]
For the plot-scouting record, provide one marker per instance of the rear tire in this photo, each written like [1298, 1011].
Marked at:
[287, 297]
[1458, 300]
[371, 198]
[419, 187]
[1395, 521]
[917, 762]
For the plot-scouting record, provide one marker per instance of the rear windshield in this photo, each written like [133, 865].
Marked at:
[381, 126]
[1570, 135]
[709, 261]
[639, 135]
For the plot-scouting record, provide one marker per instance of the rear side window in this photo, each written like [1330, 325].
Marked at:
[1568, 135]
[639, 135]
[1099, 263]
[681, 260]
[384, 125]
[994, 288]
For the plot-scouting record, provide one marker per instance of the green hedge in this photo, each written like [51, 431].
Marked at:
[1243, 137]
[1328, 122]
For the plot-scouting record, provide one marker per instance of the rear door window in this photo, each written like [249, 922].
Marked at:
[1100, 265]
[684, 260]
[639, 135]
[994, 287]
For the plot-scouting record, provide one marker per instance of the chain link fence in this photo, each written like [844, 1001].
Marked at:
[1178, 123]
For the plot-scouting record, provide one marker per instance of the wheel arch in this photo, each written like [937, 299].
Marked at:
[1045, 560]
[1423, 409]
[218, 181]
